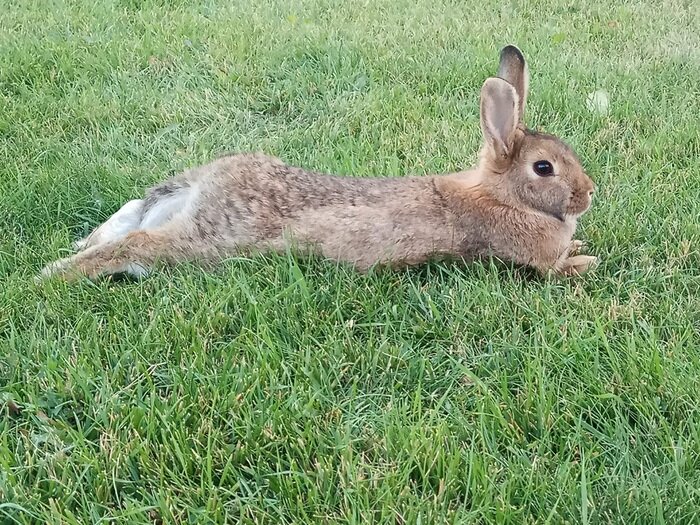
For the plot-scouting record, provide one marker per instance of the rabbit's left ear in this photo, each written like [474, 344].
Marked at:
[513, 69]
[499, 116]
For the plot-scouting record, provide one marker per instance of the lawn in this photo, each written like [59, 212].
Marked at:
[280, 390]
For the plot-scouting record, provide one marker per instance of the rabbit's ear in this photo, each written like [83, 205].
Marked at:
[499, 116]
[513, 69]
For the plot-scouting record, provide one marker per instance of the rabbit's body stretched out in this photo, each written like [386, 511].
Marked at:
[521, 204]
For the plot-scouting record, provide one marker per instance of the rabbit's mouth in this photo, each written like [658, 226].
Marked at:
[579, 203]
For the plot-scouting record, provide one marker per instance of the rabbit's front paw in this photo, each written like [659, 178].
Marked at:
[575, 247]
[578, 264]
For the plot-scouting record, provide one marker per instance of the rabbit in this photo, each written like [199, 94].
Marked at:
[519, 204]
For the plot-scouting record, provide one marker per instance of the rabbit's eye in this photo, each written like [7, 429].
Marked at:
[543, 168]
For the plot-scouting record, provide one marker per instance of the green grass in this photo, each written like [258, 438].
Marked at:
[285, 391]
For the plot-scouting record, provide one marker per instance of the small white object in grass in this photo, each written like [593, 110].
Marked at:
[598, 102]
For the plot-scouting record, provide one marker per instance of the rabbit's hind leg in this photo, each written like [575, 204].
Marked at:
[163, 204]
[135, 254]
[125, 220]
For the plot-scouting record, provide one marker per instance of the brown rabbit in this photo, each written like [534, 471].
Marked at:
[520, 204]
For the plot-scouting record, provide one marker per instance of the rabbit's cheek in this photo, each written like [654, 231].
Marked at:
[555, 200]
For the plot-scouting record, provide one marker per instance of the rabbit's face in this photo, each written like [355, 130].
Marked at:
[526, 168]
[546, 175]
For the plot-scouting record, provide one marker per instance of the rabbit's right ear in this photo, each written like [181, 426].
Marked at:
[513, 69]
[499, 116]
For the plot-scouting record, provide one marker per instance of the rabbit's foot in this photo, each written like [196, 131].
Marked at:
[62, 268]
[570, 262]
[71, 269]
[577, 265]
[575, 247]
[119, 257]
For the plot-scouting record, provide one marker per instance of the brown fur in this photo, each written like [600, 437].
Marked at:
[253, 202]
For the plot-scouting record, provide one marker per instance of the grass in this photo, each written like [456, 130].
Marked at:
[279, 390]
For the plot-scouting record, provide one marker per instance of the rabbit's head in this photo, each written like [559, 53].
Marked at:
[526, 168]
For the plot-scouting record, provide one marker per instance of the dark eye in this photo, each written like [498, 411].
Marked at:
[543, 168]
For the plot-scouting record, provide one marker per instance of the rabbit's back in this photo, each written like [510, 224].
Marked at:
[266, 181]
[252, 199]
[256, 185]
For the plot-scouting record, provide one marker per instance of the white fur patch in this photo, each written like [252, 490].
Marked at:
[53, 268]
[166, 208]
[125, 220]
[136, 269]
